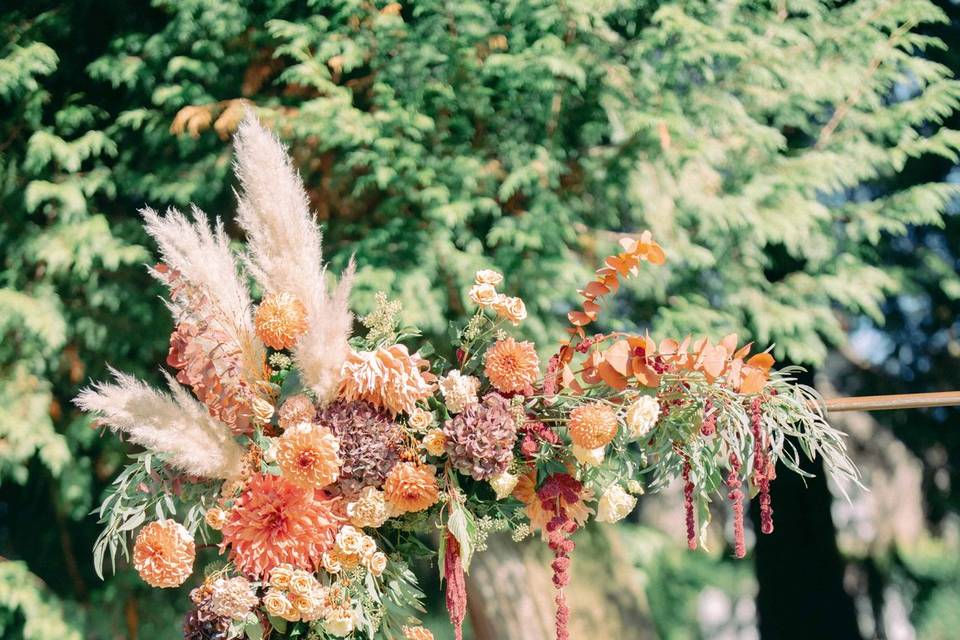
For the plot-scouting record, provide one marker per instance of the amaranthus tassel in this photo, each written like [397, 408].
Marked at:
[456, 594]
[736, 497]
[688, 506]
[762, 470]
[709, 425]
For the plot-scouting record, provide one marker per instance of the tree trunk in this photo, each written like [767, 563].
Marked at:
[798, 566]
[511, 590]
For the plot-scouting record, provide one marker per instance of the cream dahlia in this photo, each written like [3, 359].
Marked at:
[163, 554]
[411, 487]
[276, 521]
[369, 509]
[511, 366]
[308, 455]
[389, 377]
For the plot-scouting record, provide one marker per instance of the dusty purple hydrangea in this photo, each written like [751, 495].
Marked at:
[480, 439]
[370, 443]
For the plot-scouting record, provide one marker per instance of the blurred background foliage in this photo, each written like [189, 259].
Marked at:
[796, 158]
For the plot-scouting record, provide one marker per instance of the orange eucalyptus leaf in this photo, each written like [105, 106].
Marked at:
[611, 376]
[762, 361]
[729, 342]
[656, 255]
[618, 356]
[753, 380]
[579, 318]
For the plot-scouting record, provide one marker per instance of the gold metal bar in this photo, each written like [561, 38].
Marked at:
[898, 401]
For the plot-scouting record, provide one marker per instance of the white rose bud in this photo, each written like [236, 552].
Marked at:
[504, 484]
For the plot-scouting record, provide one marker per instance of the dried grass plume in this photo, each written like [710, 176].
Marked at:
[175, 425]
[285, 253]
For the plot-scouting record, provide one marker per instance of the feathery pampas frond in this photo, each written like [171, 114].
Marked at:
[202, 258]
[214, 347]
[285, 253]
[177, 426]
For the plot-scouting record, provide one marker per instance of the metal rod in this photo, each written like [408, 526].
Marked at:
[898, 401]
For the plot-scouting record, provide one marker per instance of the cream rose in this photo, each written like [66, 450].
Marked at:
[280, 576]
[302, 583]
[615, 504]
[215, 517]
[434, 442]
[420, 419]
[513, 309]
[276, 604]
[488, 276]
[349, 540]
[642, 416]
[483, 295]
[378, 562]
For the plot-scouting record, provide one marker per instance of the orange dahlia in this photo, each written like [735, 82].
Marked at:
[163, 554]
[390, 378]
[275, 522]
[592, 425]
[308, 455]
[280, 320]
[411, 487]
[511, 366]
[296, 409]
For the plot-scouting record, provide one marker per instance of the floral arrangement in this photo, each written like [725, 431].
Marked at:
[319, 463]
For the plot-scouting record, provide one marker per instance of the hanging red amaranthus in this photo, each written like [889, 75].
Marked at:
[688, 506]
[762, 469]
[456, 593]
[709, 424]
[736, 497]
[557, 494]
